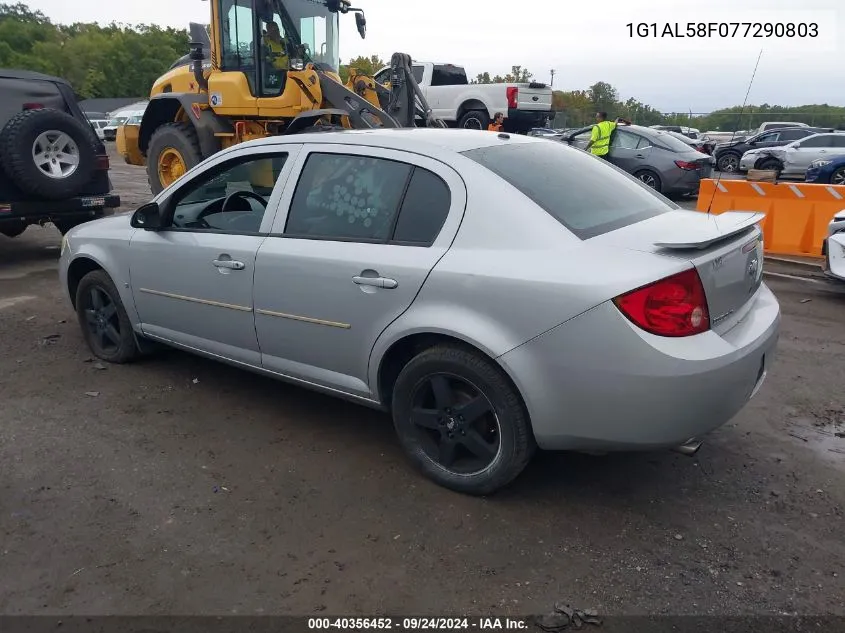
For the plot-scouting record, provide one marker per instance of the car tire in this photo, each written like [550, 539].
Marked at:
[103, 319]
[174, 149]
[728, 162]
[474, 120]
[838, 177]
[48, 153]
[489, 447]
[649, 179]
[769, 163]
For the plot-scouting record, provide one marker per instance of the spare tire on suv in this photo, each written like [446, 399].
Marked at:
[48, 153]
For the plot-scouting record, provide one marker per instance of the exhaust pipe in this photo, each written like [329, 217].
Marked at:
[688, 448]
[197, 57]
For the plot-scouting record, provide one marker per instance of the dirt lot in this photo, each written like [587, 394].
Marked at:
[181, 486]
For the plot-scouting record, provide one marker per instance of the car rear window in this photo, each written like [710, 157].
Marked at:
[585, 194]
[672, 142]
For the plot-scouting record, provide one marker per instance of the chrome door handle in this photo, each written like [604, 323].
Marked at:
[229, 263]
[378, 282]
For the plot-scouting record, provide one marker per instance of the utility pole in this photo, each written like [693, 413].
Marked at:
[553, 77]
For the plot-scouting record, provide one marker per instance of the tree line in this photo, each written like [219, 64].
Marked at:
[110, 61]
[124, 61]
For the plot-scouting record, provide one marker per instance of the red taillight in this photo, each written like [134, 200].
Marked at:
[685, 165]
[33, 106]
[513, 97]
[675, 306]
[102, 163]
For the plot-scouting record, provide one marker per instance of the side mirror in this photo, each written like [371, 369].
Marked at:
[147, 217]
[361, 23]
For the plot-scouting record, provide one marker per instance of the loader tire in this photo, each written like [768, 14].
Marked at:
[174, 149]
[48, 153]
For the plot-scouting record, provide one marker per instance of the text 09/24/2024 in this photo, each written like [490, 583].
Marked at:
[756, 30]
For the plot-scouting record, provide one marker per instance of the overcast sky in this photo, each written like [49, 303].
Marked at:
[584, 42]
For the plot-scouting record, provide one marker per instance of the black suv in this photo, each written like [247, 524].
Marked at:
[728, 154]
[53, 168]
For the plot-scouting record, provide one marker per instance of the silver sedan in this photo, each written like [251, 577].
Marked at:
[494, 293]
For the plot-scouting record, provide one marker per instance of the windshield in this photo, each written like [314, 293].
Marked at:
[585, 194]
[117, 121]
[310, 23]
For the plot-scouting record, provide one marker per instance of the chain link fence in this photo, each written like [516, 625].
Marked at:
[706, 121]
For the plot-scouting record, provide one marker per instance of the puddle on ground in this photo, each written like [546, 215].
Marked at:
[826, 439]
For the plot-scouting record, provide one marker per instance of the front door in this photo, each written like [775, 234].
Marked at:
[799, 157]
[362, 233]
[192, 281]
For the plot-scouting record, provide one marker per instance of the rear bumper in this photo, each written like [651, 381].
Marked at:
[523, 120]
[683, 181]
[599, 383]
[81, 207]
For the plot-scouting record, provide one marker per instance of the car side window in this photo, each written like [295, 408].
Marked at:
[231, 197]
[769, 138]
[424, 209]
[819, 141]
[347, 197]
[624, 140]
[838, 140]
[793, 135]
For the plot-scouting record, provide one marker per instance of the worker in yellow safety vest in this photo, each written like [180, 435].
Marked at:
[274, 41]
[599, 144]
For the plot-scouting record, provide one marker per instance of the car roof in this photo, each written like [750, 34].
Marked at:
[422, 140]
[11, 73]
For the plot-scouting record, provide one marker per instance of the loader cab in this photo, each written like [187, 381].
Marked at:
[264, 39]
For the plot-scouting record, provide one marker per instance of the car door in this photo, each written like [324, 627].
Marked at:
[800, 155]
[629, 151]
[359, 231]
[770, 139]
[192, 280]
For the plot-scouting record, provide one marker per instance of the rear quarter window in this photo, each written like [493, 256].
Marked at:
[585, 194]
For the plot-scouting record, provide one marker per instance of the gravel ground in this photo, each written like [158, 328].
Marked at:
[181, 486]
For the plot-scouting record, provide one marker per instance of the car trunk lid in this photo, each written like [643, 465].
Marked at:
[726, 250]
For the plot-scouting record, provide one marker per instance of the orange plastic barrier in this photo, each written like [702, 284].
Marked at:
[797, 214]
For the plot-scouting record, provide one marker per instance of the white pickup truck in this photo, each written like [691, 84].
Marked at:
[472, 106]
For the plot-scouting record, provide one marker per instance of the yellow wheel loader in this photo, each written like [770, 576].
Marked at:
[264, 67]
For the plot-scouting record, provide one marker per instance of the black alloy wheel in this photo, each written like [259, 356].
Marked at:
[455, 424]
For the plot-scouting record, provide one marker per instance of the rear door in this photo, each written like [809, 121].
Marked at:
[629, 151]
[356, 236]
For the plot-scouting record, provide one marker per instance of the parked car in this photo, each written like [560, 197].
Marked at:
[701, 143]
[828, 171]
[619, 331]
[472, 106]
[99, 125]
[543, 131]
[689, 132]
[833, 248]
[119, 118]
[659, 159]
[729, 154]
[776, 125]
[795, 158]
[53, 168]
